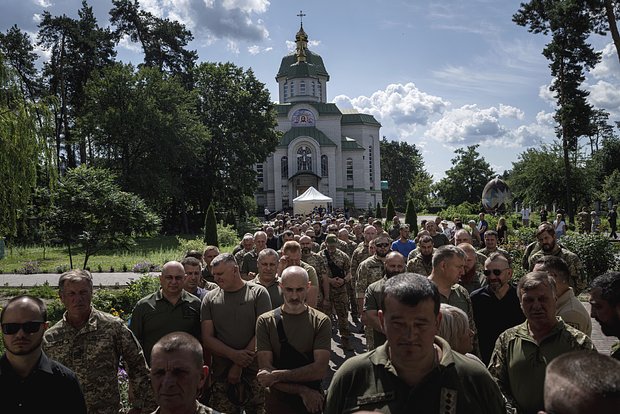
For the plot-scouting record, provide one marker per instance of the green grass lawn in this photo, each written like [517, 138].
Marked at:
[55, 259]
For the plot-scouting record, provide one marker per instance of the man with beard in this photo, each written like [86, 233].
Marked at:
[373, 298]
[497, 298]
[291, 256]
[293, 345]
[369, 271]
[320, 266]
[338, 273]
[420, 260]
[402, 243]
[29, 380]
[439, 239]
[472, 278]
[605, 301]
[523, 352]
[360, 254]
[548, 245]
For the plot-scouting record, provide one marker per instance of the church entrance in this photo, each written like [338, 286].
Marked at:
[303, 181]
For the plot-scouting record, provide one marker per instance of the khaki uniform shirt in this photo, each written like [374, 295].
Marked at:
[274, 290]
[234, 317]
[369, 271]
[577, 277]
[154, 316]
[93, 352]
[370, 382]
[200, 409]
[459, 297]
[359, 255]
[373, 301]
[341, 260]
[572, 312]
[518, 362]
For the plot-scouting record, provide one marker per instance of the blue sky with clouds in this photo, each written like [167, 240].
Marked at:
[441, 75]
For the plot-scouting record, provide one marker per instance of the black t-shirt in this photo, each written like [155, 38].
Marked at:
[50, 387]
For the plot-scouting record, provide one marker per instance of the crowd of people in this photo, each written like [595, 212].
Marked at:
[445, 329]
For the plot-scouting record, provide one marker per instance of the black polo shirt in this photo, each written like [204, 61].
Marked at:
[493, 316]
[50, 387]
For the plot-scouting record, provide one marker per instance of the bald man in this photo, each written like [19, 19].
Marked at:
[170, 309]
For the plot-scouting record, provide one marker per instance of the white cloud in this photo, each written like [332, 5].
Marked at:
[609, 66]
[232, 46]
[126, 43]
[43, 3]
[605, 95]
[547, 95]
[255, 49]
[37, 18]
[469, 125]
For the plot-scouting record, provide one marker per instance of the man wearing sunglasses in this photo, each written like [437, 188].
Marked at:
[496, 305]
[30, 381]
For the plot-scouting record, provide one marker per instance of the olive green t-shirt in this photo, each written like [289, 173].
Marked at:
[234, 317]
[308, 331]
[314, 280]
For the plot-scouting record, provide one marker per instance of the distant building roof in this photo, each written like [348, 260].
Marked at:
[350, 144]
[357, 118]
[313, 66]
[312, 132]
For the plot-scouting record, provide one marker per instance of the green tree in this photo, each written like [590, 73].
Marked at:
[411, 217]
[570, 55]
[606, 13]
[211, 227]
[92, 211]
[78, 48]
[142, 125]
[466, 179]
[403, 167]
[23, 150]
[378, 213]
[534, 179]
[237, 111]
[163, 41]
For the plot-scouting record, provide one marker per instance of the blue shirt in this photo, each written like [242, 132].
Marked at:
[403, 248]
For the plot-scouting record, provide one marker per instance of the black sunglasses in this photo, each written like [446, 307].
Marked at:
[28, 327]
[382, 245]
[496, 272]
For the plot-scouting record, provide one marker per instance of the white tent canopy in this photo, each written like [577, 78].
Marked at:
[305, 203]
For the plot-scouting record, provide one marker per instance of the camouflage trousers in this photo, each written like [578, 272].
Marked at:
[352, 301]
[340, 302]
[370, 338]
[220, 401]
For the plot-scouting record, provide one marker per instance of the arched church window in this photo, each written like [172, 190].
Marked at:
[304, 159]
[284, 167]
[324, 166]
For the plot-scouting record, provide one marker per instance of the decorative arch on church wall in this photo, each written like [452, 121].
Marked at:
[304, 154]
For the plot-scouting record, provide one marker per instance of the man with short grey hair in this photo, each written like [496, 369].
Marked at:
[521, 353]
[267, 275]
[92, 343]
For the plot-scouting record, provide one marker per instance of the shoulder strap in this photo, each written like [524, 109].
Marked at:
[280, 325]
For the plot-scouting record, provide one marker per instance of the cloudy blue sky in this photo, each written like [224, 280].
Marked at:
[440, 75]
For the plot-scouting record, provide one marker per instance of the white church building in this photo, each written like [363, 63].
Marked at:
[334, 151]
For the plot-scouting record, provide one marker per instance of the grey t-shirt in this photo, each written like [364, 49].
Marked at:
[234, 317]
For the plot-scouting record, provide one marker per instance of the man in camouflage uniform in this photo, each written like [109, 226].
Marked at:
[394, 230]
[373, 298]
[343, 235]
[360, 254]
[249, 265]
[420, 260]
[548, 245]
[473, 277]
[490, 245]
[315, 246]
[342, 245]
[247, 244]
[320, 266]
[338, 273]
[92, 343]
[521, 353]
[368, 272]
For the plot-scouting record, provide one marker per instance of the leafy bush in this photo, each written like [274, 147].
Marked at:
[31, 267]
[122, 301]
[185, 245]
[597, 254]
[249, 225]
[146, 267]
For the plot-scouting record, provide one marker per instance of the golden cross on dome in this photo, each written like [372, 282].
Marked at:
[301, 17]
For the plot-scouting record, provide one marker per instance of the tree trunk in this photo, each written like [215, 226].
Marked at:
[70, 256]
[613, 27]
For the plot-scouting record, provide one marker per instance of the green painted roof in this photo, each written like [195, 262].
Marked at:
[312, 67]
[350, 144]
[312, 132]
[359, 119]
[321, 107]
